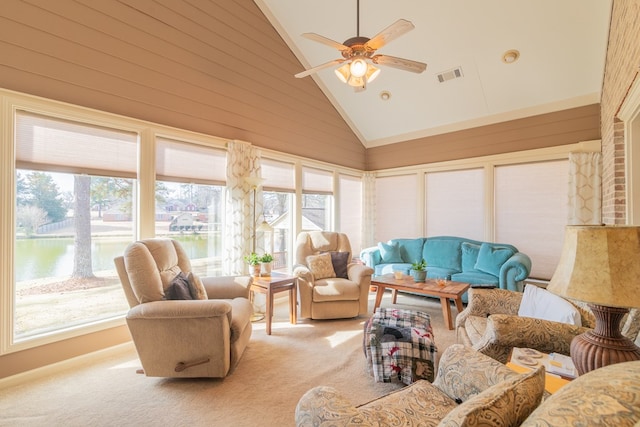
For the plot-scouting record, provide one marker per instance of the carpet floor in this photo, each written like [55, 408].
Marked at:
[263, 390]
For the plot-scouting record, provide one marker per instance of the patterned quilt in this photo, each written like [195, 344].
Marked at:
[399, 346]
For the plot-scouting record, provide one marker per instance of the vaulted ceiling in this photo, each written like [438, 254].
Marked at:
[562, 46]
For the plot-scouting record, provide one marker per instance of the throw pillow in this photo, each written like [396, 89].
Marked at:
[507, 403]
[196, 288]
[178, 288]
[390, 252]
[491, 258]
[542, 304]
[470, 253]
[321, 266]
[339, 260]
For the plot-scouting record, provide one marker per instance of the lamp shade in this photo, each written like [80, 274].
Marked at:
[599, 265]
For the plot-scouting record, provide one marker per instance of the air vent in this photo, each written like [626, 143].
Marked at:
[450, 75]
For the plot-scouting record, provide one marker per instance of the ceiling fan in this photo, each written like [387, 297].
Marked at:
[358, 54]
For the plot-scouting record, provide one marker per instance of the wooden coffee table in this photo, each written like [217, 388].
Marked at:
[449, 291]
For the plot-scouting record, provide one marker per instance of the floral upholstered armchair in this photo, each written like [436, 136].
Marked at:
[491, 325]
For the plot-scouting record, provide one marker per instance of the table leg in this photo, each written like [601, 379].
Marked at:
[293, 315]
[379, 294]
[394, 295]
[459, 305]
[446, 312]
[269, 313]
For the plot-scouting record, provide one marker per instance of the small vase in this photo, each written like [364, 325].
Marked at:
[418, 275]
[266, 269]
[255, 268]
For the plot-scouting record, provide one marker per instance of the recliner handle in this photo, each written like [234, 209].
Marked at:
[181, 366]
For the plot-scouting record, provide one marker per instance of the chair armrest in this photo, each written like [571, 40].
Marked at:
[227, 287]
[357, 272]
[506, 331]
[371, 256]
[179, 309]
[324, 404]
[464, 372]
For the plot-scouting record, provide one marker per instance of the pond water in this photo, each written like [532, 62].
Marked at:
[53, 257]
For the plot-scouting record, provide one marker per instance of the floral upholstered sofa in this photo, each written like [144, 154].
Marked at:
[473, 389]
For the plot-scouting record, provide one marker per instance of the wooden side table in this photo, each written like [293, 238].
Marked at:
[270, 285]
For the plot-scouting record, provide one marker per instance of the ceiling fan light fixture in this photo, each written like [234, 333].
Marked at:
[343, 73]
[358, 67]
[372, 73]
[356, 81]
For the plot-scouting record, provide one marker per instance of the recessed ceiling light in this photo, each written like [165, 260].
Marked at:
[510, 56]
[385, 95]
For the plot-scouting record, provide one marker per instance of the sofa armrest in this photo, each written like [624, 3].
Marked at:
[484, 302]
[507, 331]
[227, 287]
[371, 256]
[514, 271]
[324, 404]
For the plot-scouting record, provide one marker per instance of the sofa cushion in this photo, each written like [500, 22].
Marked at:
[410, 249]
[321, 266]
[470, 253]
[491, 258]
[608, 396]
[507, 403]
[390, 252]
[382, 269]
[476, 278]
[443, 253]
[542, 304]
[339, 260]
[178, 288]
[196, 288]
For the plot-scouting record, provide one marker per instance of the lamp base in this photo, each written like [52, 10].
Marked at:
[604, 345]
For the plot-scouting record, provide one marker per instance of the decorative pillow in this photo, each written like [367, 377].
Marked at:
[491, 258]
[178, 288]
[339, 260]
[470, 253]
[507, 403]
[196, 288]
[321, 266]
[390, 252]
[542, 304]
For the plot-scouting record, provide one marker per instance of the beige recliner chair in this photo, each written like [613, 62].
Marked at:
[182, 338]
[333, 289]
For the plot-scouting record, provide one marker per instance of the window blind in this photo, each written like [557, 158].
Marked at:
[317, 181]
[182, 161]
[351, 210]
[396, 208]
[531, 211]
[48, 143]
[277, 175]
[455, 203]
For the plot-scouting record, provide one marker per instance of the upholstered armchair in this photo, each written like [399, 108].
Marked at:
[329, 284]
[491, 325]
[181, 325]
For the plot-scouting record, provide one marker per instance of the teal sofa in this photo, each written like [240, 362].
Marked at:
[497, 265]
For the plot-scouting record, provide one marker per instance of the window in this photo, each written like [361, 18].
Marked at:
[455, 203]
[317, 199]
[396, 207]
[350, 213]
[75, 210]
[278, 197]
[189, 202]
[531, 211]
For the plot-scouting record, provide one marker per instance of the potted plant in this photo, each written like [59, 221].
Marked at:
[254, 261]
[266, 261]
[419, 271]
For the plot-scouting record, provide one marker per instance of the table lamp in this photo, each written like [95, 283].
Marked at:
[600, 265]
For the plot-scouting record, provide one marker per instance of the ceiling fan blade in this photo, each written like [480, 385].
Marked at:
[392, 32]
[319, 67]
[400, 63]
[324, 40]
